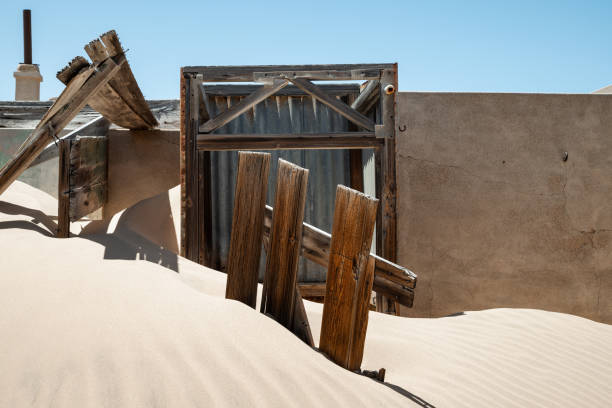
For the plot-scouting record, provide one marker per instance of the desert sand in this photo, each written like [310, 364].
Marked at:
[82, 323]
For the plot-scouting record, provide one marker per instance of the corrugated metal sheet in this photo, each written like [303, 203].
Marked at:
[328, 168]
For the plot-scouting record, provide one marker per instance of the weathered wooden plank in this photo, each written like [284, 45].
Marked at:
[334, 103]
[125, 84]
[389, 187]
[72, 101]
[205, 137]
[247, 227]
[367, 97]
[245, 73]
[285, 241]
[321, 75]
[350, 276]
[63, 190]
[291, 143]
[88, 175]
[289, 90]
[242, 106]
[316, 244]
[309, 289]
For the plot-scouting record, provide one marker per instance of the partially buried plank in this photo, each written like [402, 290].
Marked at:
[247, 227]
[350, 276]
[284, 247]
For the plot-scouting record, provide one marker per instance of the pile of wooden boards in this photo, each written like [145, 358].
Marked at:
[108, 86]
[352, 271]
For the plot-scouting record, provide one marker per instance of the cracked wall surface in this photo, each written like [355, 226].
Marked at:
[489, 213]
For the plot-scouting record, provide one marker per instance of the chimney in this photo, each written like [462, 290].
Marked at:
[27, 76]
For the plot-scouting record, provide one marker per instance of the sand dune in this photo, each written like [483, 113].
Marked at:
[82, 324]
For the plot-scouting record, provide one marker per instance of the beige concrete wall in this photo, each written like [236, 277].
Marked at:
[489, 213]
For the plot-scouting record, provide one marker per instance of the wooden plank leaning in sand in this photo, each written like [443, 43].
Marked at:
[247, 227]
[280, 291]
[350, 275]
[75, 96]
[390, 279]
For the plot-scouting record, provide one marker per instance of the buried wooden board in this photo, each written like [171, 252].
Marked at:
[88, 175]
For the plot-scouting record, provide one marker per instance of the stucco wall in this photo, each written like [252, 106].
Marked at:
[489, 213]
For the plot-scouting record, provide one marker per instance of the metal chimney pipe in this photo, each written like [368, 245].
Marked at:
[27, 37]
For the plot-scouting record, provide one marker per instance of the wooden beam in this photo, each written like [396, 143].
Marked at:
[309, 289]
[290, 90]
[315, 247]
[206, 137]
[63, 190]
[72, 100]
[321, 75]
[388, 210]
[242, 106]
[285, 240]
[367, 98]
[350, 275]
[335, 104]
[279, 143]
[247, 227]
[245, 73]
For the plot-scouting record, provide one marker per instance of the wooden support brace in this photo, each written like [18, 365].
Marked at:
[242, 106]
[335, 104]
[247, 227]
[285, 240]
[350, 275]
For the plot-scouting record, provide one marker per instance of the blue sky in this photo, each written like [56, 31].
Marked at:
[461, 46]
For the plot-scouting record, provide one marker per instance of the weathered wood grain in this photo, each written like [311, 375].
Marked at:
[367, 97]
[245, 73]
[388, 208]
[88, 175]
[242, 106]
[71, 101]
[334, 103]
[285, 241]
[125, 84]
[63, 190]
[289, 90]
[247, 227]
[270, 142]
[350, 276]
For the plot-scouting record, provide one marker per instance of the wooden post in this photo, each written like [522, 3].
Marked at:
[63, 190]
[247, 227]
[285, 241]
[349, 278]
